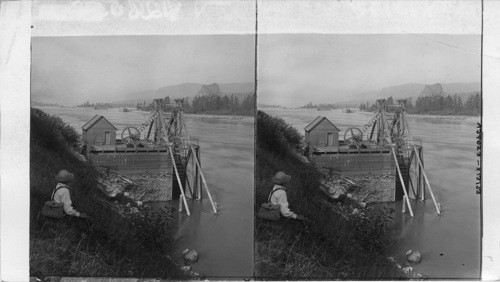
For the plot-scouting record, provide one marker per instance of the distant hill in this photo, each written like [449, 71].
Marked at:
[187, 90]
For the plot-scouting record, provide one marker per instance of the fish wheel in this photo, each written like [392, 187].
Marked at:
[131, 135]
[353, 136]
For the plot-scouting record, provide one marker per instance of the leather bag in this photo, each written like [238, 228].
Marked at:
[268, 210]
[53, 209]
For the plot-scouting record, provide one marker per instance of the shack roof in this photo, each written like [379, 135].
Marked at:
[94, 120]
[317, 121]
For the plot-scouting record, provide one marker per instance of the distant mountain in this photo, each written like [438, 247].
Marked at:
[187, 90]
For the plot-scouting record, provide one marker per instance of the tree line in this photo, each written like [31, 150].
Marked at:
[96, 105]
[209, 104]
[165, 105]
[323, 107]
[437, 105]
[226, 105]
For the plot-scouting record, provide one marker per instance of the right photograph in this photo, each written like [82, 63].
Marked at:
[366, 156]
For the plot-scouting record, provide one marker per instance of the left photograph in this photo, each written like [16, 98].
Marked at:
[142, 156]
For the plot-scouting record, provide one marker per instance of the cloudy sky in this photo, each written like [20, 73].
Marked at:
[294, 69]
[71, 70]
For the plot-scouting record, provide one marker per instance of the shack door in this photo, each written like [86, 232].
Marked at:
[329, 139]
[107, 138]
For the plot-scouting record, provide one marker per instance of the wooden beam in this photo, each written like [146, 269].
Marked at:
[373, 129]
[412, 187]
[189, 187]
[159, 128]
[193, 175]
[178, 181]
[402, 181]
[149, 130]
[198, 169]
[421, 168]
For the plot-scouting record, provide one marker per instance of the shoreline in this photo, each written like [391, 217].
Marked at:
[367, 113]
[221, 117]
[198, 116]
[428, 116]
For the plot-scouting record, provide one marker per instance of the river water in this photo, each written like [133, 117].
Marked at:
[224, 241]
[449, 243]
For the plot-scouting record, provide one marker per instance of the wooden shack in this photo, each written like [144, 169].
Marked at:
[322, 133]
[99, 131]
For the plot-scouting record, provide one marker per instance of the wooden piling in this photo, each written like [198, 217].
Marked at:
[428, 185]
[205, 183]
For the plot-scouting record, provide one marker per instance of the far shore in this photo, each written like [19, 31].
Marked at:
[455, 117]
[451, 117]
[226, 117]
[212, 116]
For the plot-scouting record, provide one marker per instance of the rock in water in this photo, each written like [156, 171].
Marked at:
[186, 268]
[414, 256]
[191, 256]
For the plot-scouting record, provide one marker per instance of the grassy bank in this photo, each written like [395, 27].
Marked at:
[111, 244]
[341, 241]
